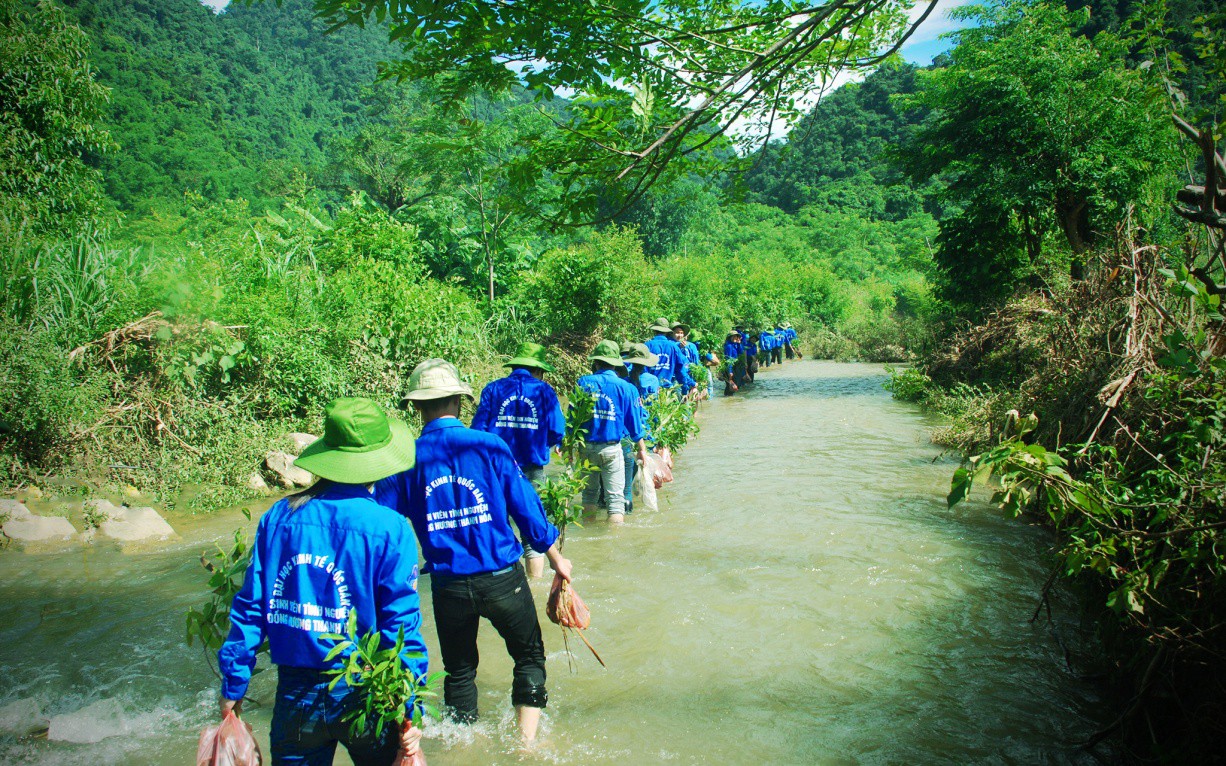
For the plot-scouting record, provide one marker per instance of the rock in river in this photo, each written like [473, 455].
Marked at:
[129, 524]
[25, 527]
[21, 717]
[104, 718]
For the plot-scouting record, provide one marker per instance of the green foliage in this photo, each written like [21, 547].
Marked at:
[381, 678]
[602, 287]
[670, 419]
[50, 106]
[1047, 137]
[632, 114]
[558, 492]
[210, 624]
[907, 384]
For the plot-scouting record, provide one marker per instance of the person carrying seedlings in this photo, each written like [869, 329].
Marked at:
[732, 357]
[707, 359]
[671, 368]
[460, 498]
[318, 557]
[617, 414]
[681, 334]
[751, 355]
[523, 410]
[780, 342]
[638, 359]
[790, 341]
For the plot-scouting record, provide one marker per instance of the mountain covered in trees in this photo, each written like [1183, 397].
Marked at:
[229, 105]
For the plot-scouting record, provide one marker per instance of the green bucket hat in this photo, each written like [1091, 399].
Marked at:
[685, 328]
[360, 444]
[436, 379]
[638, 353]
[607, 351]
[661, 325]
[530, 354]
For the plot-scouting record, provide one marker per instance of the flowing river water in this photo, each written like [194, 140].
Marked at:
[801, 597]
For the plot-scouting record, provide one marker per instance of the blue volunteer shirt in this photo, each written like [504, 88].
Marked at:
[671, 367]
[648, 385]
[617, 412]
[310, 567]
[524, 412]
[767, 341]
[459, 498]
[732, 350]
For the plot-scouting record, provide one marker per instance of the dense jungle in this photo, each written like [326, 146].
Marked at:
[213, 223]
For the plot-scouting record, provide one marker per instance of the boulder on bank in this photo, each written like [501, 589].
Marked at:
[11, 509]
[289, 475]
[299, 441]
[23, 526]
[256, 483]
[128, 524]
[22, 717]
[94, 723]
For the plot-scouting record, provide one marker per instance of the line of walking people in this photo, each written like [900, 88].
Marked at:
[467, 496]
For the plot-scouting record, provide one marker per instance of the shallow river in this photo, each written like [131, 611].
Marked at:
[802, 597]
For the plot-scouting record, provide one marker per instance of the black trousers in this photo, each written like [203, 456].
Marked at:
[504, 599]
[790, 352]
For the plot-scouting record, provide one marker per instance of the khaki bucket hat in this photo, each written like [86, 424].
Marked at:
[661, 325]
[530, 354]
[607, 351]
[436, 379]
[360, 444]
[685, 328]
[638, 353]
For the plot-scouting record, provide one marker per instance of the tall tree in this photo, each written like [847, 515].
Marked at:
[50, 105]
[1039, 129]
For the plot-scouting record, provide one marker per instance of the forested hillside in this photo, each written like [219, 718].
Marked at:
[232, 105]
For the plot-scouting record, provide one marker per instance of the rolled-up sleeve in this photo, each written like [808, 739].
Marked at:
[236, 658]
[397, 604]
[524, 505]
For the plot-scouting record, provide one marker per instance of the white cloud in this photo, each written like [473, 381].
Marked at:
[938, 23]
[217, 5]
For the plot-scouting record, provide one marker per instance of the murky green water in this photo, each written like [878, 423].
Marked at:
[802, 597]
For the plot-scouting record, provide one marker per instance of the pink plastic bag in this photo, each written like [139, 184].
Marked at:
[661, 472]
[229, 743]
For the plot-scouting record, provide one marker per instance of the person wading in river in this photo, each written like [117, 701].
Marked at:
[523, 410]
[317, 557]
[617, 415]
[671, 368]
[732, 359]
[460, 498]
[638, 359]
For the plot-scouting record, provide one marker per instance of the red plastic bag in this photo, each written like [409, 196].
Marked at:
[229, 743]
[565, 607]
[661, 472]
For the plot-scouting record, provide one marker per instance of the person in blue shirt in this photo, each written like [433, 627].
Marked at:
[790, 341]
[780, 340]
[638, 359]
[732, 359]
[318, 557]
[460, 498]
[671, 369]
[767, 341]
[523, 410]
[751, 355]
[617, 415]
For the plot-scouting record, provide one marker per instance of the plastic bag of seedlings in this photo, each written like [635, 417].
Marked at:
[565, 607]
[416, 759]
[645, 487]
[230, 743]
[659, 469]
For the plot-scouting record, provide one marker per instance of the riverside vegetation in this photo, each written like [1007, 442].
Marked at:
[211, 225]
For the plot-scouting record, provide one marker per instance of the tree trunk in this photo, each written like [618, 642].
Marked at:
[1073, 215]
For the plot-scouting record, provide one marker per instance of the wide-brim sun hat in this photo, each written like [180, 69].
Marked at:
[608, 352]
[360, 445]
[638, 353]
[436, 379]
[661, 325]
[684, 327]
[530, 355]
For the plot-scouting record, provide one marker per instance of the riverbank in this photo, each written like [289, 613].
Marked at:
[807, 602]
